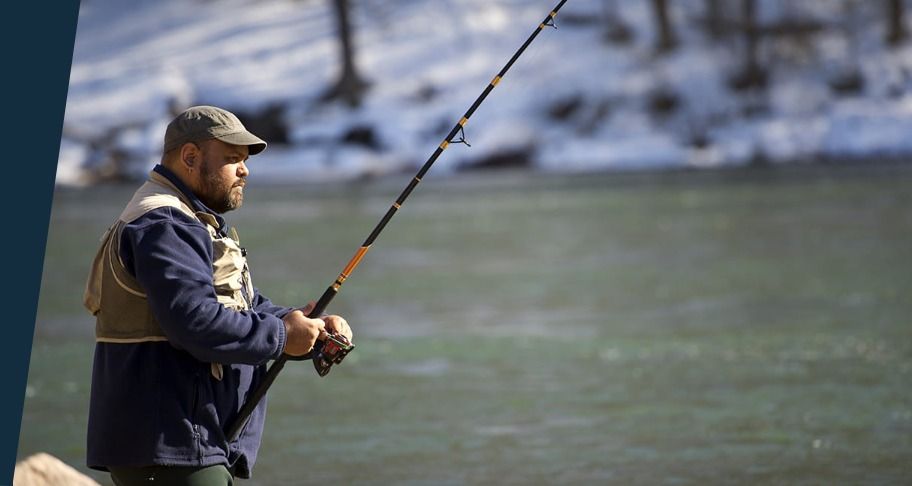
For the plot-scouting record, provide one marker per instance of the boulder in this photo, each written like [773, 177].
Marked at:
[46, 470]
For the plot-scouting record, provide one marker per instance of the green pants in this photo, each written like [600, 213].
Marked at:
[172, 475]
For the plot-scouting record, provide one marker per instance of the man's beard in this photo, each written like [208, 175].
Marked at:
[216, 196]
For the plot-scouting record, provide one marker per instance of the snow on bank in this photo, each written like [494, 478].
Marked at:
[136, 62]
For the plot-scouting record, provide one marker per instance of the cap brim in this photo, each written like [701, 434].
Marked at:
[253, 143]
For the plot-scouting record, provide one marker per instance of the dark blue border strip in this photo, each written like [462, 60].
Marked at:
[37, 39]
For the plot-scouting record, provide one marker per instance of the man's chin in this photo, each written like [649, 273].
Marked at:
[237, 197]
[234, 205]
[227, 205]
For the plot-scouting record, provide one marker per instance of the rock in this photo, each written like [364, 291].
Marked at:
[268, 123]
[508, 158]
[46, 470]
[363, 135]
[566, 107]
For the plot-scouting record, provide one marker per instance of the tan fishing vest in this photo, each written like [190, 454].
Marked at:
[117, 300]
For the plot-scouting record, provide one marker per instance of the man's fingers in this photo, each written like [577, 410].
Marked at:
[339, 325]
[336, 323]
[322, 335]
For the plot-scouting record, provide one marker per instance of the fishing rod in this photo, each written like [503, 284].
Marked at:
[336, 347]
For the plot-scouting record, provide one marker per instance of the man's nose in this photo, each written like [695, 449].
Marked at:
[242, 170]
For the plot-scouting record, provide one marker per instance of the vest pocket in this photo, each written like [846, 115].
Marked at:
[91, 298]
[228, 267]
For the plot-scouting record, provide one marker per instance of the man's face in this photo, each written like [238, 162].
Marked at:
[222, 175]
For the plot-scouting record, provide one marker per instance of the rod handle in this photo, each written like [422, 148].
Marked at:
[323, 303]
[317, 311]
[244, 414]
[234, 430]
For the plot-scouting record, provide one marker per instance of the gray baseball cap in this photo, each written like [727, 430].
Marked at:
[200, 123]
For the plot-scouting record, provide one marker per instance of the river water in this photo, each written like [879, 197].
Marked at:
[746, 326]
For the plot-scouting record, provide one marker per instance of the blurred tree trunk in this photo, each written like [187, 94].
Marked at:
[896, 31]
[714, 19]
[616, 30]
[750, 32]
[350, 87]
[752, 75]
[667, 40]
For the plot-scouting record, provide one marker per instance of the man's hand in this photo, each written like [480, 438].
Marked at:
[334, 324]
[301, 332]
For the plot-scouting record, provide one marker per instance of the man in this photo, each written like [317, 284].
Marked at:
[182, 334]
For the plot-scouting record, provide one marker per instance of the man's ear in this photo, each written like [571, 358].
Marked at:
[190, 155]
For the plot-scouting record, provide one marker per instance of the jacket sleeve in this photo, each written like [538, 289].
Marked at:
[170, 254]
[264, 305]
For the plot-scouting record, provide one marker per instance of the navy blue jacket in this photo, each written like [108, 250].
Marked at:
[157, 403]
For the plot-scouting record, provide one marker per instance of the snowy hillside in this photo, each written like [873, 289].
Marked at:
[574, 102]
